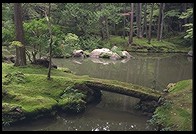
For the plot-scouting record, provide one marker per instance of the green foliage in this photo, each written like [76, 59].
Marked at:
[78, 25]
[189, 31]
[36, 32]
[69, 43]
[89, 42]
[7, 23]
[16, 43]
[187, 14]
[172, 13]
[7, 33]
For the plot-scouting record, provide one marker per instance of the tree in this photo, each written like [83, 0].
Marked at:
[36, 35]
[131, 25]
[188, 14]
[124, 22]
[50, 44]
[150, 25]
[144, 27]
[160, 21]
[139, 14]
[20, 50]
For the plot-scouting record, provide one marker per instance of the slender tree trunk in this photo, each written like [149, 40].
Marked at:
[160, 21]
[139, 14]
[107, 28]
[104, 24]
[115, 33]
[50, 45]
[150, 25]
[103, 28]
[124, 22]
[131, 25]
[20, 51]
[144, 27]
[40, 55]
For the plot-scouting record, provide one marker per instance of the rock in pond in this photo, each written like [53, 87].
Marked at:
[78, 53]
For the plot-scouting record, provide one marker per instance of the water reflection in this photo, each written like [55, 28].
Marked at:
[150, 70]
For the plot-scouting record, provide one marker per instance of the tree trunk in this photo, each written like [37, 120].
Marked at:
[131, 25]
[124, 22]
[40, 55]
[50, 45]
[107, 28]
[144, 27]
[115, 33]
[150, 25]
[104, 24]
[162, 19]
[139, 14]
[20, 51]
[160, 22]
[103, 29]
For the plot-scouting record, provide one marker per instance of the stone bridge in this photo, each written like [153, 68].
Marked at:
[143, 93]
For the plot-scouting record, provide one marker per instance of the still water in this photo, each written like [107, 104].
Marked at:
[116, 112]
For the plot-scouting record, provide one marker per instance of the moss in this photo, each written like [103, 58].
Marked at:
[37, 96]
[125, 88]
[176, 112]
[142, 45]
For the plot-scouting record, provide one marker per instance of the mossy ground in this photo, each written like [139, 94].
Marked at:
[27, 89]
[33, 93]
[142, 45]
[176, 112]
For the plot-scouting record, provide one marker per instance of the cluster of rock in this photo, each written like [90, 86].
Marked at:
[114, 53]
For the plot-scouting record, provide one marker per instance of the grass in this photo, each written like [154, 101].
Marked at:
[176, 113]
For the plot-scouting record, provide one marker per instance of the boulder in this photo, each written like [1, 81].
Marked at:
[126, 54]
[115, 56]
[97, 52]
[78, 53]
[107, 53]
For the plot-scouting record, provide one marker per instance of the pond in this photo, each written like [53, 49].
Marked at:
[116, 112]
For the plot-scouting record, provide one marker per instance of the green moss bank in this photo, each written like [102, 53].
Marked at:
[27, 94]
[169, 45]
[176, 112]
